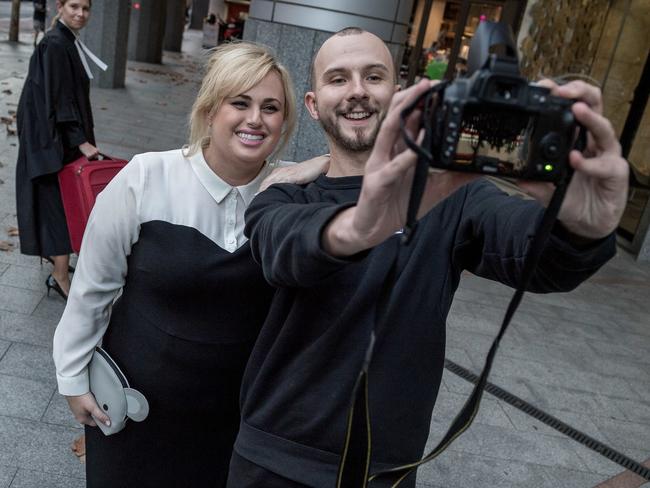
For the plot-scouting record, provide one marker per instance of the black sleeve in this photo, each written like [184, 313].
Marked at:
[495, 233]
[285, 237]
[59, 84]
[73, 134]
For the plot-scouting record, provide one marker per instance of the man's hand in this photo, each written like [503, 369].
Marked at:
[596, 197]
[382, 205]
[88, 150]
[84, 408]
[300, 173]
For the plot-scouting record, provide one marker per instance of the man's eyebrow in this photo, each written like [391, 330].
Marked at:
[369, 67]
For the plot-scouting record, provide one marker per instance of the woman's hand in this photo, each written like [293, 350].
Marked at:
[300, 173]
[88, 150]
[84, 408]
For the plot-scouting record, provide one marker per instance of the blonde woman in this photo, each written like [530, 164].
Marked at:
[55, 127]
[168, 233]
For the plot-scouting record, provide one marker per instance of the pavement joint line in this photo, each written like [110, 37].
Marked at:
[42, 419]
[599, 447]
[6, 350]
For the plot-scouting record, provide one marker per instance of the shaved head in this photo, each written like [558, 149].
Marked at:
[347, 31]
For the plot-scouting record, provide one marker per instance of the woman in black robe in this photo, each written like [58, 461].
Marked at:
[55, 127]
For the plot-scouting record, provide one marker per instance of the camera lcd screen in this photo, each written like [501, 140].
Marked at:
[492, 144]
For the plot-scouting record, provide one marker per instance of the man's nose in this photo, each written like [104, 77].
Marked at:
[357, 88]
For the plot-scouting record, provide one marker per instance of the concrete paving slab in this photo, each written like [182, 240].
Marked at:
[28, 329]
[7, 474]
[26, 277]
[39, 447]
[36, 479]
[58, 413]
[18, 300]
[461, 470]
[23, 398]
[49, 307]
[523, 447]
[29, 362]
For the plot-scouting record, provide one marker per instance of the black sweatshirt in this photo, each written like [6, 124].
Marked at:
[298, 383]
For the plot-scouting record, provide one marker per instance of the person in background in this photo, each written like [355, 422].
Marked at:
[40, 10]
[167, 233]
[55, 127]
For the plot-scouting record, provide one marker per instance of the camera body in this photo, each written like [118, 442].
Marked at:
[496, 122]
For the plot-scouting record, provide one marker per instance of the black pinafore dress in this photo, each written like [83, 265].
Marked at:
[181, 332]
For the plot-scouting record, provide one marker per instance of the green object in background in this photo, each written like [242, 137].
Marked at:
[436, 70]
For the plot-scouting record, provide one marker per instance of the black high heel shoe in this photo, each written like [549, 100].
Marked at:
[49, 260]
[52, 284]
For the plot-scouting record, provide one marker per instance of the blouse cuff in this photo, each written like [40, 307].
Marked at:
[74, 385]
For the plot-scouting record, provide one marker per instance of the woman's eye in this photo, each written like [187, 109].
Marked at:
[338, 81]
[270, 109]
[374, 78]
[239, 104]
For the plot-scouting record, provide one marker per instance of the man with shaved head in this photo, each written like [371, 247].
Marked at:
[328, 248]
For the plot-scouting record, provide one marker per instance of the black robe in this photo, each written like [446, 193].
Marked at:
[54, 118]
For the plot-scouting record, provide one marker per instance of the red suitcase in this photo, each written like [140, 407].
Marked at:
[80, 182]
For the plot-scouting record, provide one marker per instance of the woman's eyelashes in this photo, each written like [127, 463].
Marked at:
[243, 105]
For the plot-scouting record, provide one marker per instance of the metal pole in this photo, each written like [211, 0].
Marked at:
[458, 39]
[15, 20]
[414, 61]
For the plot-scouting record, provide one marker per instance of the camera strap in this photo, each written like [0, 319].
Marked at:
[355, 459]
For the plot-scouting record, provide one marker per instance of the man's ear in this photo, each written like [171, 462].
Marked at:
[310, 103]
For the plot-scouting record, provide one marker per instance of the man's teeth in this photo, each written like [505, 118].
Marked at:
[357, 115]
[250, 137]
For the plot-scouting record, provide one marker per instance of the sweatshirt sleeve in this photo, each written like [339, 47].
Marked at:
[285, 237]
[113, 228]
[495, 234]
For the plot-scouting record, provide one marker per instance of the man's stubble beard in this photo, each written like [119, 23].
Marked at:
[360, 142]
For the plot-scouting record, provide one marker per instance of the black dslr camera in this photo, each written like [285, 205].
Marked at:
[493, 121]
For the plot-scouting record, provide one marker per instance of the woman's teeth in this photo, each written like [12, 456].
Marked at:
[250, 137]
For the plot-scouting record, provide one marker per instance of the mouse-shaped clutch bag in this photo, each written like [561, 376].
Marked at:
[113, 394]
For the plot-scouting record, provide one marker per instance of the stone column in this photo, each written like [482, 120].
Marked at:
[174, 25]
[199, 12]
[296, 30]
[147, 31]
[107, 35]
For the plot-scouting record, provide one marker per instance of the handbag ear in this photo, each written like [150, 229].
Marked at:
[137, 405]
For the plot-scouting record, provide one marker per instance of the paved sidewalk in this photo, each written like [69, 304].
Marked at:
[583, 357]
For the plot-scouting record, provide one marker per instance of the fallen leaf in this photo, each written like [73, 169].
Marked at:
[6, 246]
[7, 92]
[10, 131]
[7, 120]
[12, 231]
[79, 448]
[12, 112]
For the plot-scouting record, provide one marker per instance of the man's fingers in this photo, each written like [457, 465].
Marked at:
[580, 90]
[600, 128]
[390, 127]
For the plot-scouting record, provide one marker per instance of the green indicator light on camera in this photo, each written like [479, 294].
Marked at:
[548, 167]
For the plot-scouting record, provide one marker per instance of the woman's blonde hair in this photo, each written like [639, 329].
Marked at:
[233, 69]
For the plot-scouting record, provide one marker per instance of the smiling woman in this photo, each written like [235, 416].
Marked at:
[167, 233]
[55, 127]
